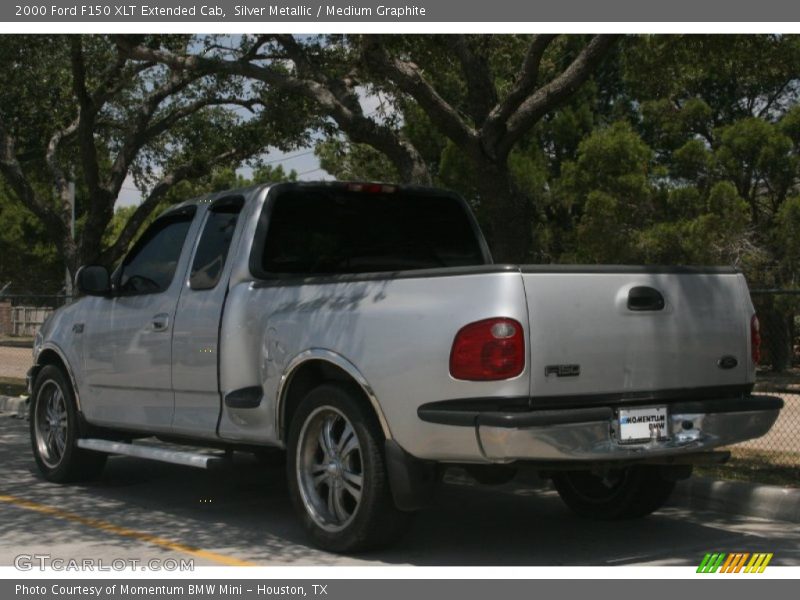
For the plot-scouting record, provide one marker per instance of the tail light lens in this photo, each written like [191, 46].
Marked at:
[371, 188]
[488, 350]
[755, 340]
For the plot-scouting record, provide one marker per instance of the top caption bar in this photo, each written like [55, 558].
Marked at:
[410, 11]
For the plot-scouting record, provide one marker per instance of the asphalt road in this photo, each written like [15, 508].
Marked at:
[142, 509]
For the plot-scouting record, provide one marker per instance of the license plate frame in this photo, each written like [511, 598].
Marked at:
[636, 424]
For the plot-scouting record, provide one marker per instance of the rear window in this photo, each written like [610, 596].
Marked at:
[339, 232]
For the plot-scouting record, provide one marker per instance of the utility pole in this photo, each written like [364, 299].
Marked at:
[71, 189]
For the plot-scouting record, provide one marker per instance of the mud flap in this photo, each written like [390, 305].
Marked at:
[411, 480]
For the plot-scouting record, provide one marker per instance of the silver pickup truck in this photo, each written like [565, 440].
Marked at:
[365, 329]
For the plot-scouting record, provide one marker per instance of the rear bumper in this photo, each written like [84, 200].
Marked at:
[589, 434]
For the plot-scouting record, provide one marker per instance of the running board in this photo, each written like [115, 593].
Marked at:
[176, 457]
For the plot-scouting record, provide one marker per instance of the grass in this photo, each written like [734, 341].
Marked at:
[10, 386]
[757, 466]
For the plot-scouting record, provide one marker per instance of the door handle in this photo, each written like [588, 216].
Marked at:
[161, 322]
[643, 297]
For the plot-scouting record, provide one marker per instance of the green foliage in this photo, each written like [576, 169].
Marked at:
[354, 162]
[787, 234]
[74, 108]
[28, 259]
[679, 149]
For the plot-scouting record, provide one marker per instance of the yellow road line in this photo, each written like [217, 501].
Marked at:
[124, 531]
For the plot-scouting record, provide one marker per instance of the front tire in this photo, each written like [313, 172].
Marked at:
[337, 472]
[54, 429]
[616, 494]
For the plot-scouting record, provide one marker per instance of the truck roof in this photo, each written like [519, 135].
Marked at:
[251, 192]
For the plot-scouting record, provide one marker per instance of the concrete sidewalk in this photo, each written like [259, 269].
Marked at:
[739, 498]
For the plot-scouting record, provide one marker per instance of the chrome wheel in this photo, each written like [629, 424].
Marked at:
[51, 423]
[329, 468]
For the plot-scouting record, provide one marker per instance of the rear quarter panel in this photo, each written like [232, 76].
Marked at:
[397, 332]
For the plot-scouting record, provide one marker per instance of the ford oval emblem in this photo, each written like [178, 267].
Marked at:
[727, 362]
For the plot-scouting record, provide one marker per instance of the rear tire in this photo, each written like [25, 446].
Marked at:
[621, 494]
[54, 429]
[337, 474]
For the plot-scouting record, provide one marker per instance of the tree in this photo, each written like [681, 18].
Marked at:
[485, 118]
[30, 262]
[74, 108]
[723, 112]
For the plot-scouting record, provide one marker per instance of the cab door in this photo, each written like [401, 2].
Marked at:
[128, 338]
[195, 339]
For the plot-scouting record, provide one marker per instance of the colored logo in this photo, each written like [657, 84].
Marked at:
[737, 562]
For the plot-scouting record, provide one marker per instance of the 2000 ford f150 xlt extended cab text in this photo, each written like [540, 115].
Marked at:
[365, 329]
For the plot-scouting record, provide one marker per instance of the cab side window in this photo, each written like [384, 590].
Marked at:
[150, 266]
[215, 242]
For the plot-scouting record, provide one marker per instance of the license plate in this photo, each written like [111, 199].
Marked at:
[642, 424]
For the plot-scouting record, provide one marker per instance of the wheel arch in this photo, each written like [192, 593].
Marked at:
[308, 370]
[50, 354]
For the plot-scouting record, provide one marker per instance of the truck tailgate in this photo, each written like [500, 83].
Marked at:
[597, 332]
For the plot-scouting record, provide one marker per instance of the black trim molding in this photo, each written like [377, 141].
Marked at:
[644, 269]
[249, 397]
[517, 412]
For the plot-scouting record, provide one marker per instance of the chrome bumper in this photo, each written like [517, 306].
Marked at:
[590, 434]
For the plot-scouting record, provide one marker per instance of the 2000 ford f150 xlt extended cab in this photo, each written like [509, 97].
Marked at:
[365, 329]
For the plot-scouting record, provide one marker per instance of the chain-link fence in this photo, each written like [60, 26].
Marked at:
[778, 375]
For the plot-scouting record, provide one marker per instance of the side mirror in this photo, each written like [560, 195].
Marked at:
[93, 280]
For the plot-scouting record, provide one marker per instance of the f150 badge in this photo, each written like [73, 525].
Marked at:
[562, 370]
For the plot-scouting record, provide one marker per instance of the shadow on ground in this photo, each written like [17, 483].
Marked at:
[245, 513]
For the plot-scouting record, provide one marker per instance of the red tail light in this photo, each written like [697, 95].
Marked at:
[755, 340]
[371, 188]
[488, 350]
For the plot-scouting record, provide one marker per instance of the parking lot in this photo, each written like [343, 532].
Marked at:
[142, 510]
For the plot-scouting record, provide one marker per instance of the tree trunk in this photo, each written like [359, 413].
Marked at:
[507, 215]
[91, 240]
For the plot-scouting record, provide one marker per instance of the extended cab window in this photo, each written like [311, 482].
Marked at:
[337, 231]
[150, 266]
[215, 242]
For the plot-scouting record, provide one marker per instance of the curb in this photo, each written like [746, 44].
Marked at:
[17, 406]
[739, 498]
[734, 498]
[15, 344]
